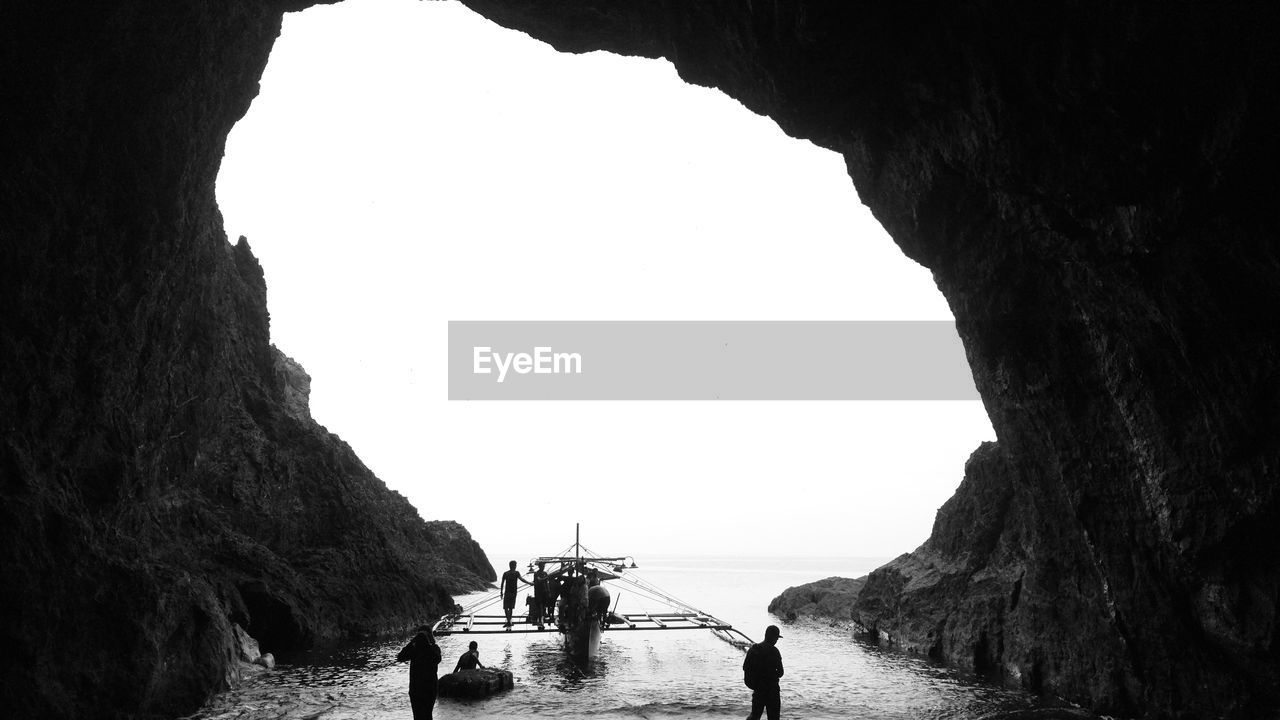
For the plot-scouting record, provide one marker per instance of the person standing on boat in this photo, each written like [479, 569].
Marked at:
[540, 592]
[423, 655]
[553, 593]
[470, 659]
[511, 580]
[760, 671]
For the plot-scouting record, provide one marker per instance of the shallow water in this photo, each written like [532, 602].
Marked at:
[661, 674]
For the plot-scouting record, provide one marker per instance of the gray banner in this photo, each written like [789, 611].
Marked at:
[711, 360]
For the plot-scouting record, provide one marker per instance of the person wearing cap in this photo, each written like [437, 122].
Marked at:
[423, 655]
[760, 671]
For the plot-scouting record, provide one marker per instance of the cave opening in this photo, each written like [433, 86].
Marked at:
[407, 163]
[1094, 219]
[271, 620]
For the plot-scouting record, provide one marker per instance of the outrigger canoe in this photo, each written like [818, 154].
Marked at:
[586, 607]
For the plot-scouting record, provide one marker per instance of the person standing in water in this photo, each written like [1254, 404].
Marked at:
[423, 655]
[511, 580]
[760, 671]
[470, 659]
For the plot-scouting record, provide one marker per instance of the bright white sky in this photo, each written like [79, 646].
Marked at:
[409, 163]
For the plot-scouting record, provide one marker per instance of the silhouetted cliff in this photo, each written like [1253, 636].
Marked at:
[160, 473]
[455, 543]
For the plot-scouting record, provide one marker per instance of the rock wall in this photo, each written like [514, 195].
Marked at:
[1093, 186]
[160, 476]
[295, 384]
[456, 545]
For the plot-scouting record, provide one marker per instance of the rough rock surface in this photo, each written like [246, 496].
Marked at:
[160, 477]
[829, 599]
[247, 648]
[1092, 184]
[295, 384]
[456, 544]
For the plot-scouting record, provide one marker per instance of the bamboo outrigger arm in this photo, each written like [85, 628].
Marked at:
[575, 564]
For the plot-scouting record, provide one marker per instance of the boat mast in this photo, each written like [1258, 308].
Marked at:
[577, 545]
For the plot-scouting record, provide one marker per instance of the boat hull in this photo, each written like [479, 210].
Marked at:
[580, 626]
[583, 642]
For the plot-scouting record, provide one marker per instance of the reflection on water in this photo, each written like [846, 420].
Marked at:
[829, 675]
[674, 674]
[550, 667]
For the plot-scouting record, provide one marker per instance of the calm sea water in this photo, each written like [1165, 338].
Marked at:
[663, 674]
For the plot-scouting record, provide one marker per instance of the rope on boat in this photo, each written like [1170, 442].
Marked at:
[653, 591]
[645, 589]
[742, 644]
[742, 641]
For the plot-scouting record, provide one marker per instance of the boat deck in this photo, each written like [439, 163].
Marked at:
[586, 571]
[495, 624]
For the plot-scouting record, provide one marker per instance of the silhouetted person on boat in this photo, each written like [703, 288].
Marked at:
[760, 671]
[553, 594]
[533, 611]
[511, 580]
[423, 655]
[541, 591]
[470, 659]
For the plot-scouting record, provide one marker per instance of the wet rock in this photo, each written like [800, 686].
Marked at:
[266, 660]
[246, 646]
[831, 598]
